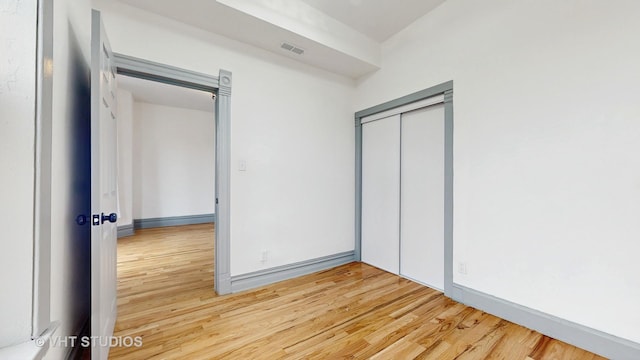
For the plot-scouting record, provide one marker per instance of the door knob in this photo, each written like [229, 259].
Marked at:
[81, 220]
[110, 218]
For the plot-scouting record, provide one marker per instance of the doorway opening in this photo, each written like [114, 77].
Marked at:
[220, 89]
[166, 151]
[166, 190]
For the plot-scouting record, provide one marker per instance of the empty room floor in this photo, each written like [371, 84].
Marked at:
[165, 295]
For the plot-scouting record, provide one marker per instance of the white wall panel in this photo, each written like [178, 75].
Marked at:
[18, 25]
[422, 196]
[546, 171]
[173, 161]
[381, 193]
[291, 123]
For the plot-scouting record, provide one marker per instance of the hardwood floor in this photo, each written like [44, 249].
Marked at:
[355, 311]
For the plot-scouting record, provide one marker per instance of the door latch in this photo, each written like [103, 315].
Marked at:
[112, 218]
[97, 219]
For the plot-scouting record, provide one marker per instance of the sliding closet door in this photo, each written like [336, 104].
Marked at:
[381, 193]
[422, 196]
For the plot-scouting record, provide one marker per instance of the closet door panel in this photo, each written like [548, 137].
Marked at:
[381, 193]
[422, 196]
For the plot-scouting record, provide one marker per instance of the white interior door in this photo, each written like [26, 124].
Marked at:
[381, 193]
[422, 196]
[103, 188]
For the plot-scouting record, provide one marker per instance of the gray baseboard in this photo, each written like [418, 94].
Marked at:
[596, 341]
[173, 221]
[285, 272]
[125, 230]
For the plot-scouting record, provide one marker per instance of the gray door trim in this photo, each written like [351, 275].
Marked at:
[150, 70]
[446, 89]
[223, 185]
[42, 187]
[221, 86]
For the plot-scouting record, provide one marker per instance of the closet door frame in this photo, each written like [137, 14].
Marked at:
[445, 89]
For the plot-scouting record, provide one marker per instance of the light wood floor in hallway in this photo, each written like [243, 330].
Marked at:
[165, 295]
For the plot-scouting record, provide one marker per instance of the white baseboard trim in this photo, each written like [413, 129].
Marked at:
[596, 341]
[285, 272]
[173, 221]
[125, 230]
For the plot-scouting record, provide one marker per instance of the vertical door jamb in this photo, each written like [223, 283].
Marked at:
[42, 206]
[223, 184]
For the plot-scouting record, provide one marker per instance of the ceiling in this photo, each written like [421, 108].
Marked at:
[169, 95]
[342, 36]
[377, 19]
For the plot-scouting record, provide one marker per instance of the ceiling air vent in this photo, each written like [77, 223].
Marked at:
[287, 46]
[292, 48]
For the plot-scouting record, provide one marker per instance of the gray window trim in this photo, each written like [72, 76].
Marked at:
[445, 89]
[221, 86]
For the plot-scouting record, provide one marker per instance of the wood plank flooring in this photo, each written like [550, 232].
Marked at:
[355, 311]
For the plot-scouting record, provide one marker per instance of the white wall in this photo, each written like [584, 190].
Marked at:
[70, 188]
[546, 144]
[17, 128]
[291, 123]
[173, 161]
[125, 158]
[70, 284]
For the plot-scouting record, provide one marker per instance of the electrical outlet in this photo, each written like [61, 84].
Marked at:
[462, 268]
[264, 257]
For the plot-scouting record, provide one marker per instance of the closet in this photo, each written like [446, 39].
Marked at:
[403, 196]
